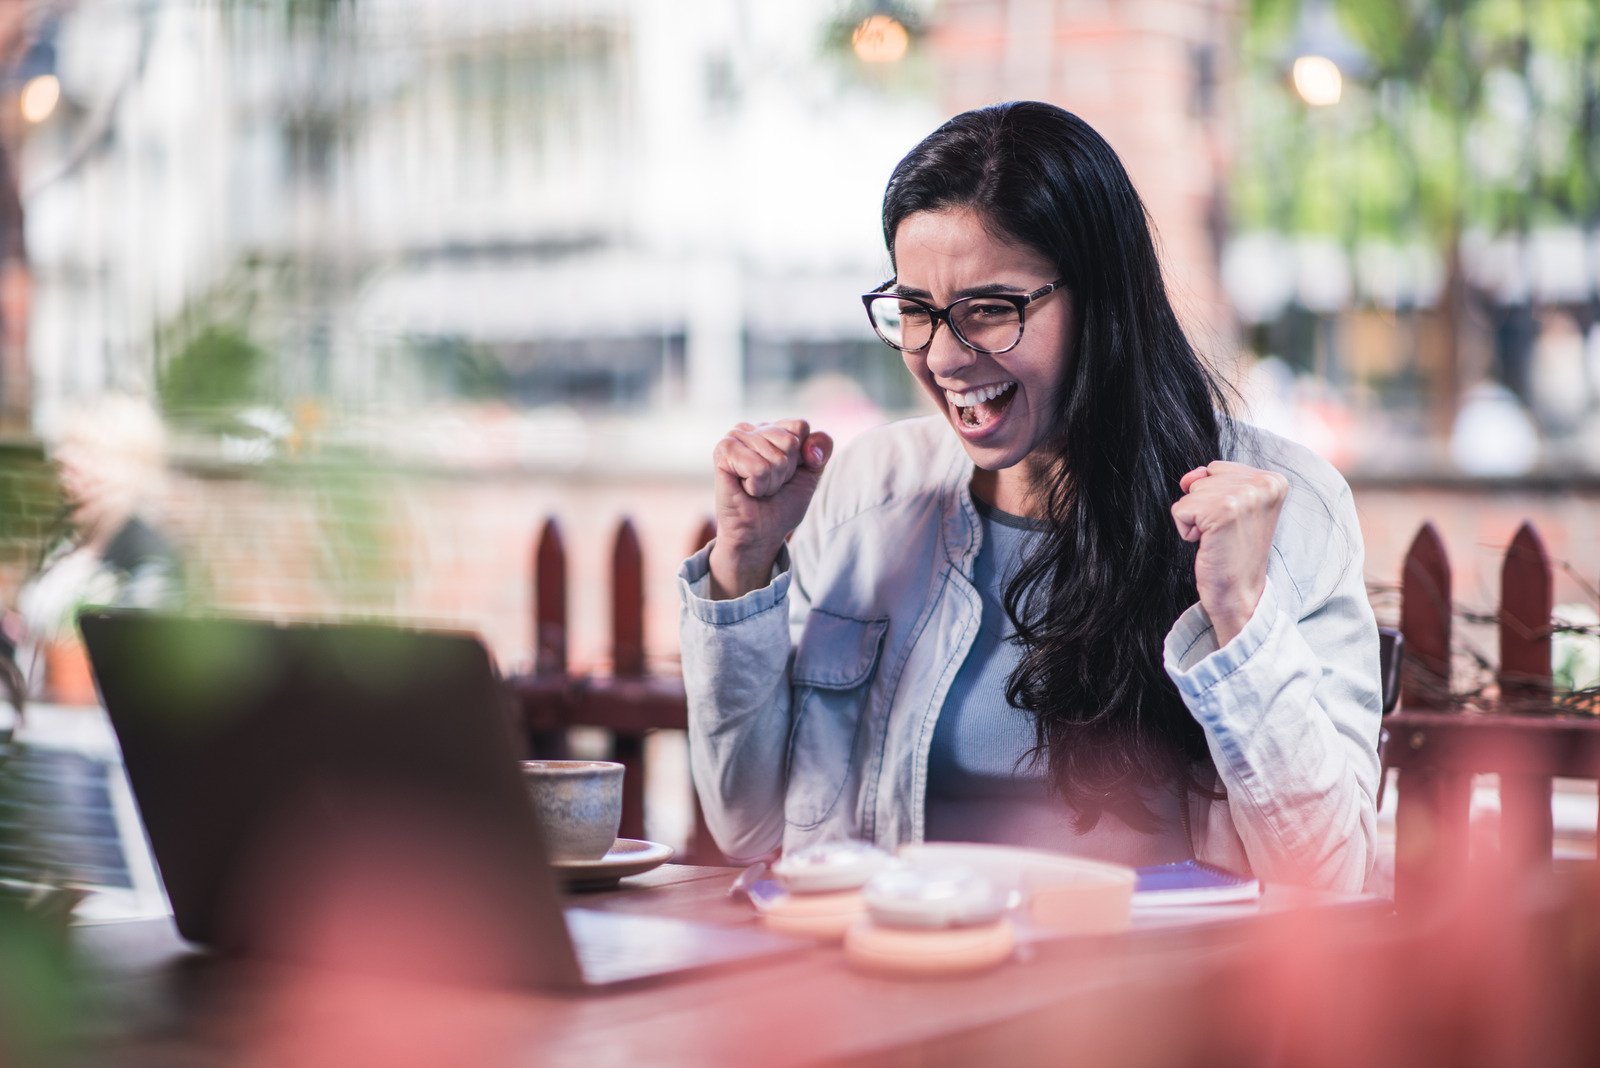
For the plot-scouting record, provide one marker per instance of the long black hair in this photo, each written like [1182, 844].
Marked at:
[1093, 601]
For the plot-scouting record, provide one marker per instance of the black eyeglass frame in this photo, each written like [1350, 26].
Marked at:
[942, 315]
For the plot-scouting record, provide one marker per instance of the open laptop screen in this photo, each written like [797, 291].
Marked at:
[333, 790]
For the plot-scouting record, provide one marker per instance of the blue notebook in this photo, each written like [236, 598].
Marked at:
[1192, 882]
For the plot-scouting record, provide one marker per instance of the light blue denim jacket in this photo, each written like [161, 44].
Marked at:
[812, 701]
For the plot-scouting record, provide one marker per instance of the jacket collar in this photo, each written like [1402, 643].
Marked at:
[963, 534]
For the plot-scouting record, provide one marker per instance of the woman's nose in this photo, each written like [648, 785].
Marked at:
[946, 353]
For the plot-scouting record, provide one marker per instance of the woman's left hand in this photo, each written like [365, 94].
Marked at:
[1231, 510]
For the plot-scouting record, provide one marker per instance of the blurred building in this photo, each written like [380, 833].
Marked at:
[1155, 78]
[599, 204]
[584, 207]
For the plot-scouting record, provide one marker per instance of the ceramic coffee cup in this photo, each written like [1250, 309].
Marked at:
[579, 803]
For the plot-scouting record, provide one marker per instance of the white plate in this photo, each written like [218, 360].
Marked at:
[628, 856]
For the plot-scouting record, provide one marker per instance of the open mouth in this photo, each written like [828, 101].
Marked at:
[979, 407]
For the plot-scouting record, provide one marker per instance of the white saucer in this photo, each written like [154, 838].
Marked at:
[628, 856]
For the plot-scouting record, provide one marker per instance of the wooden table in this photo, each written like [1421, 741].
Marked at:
[155, 1003]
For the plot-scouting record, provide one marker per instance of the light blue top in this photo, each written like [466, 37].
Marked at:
[814, 700]
[983, 784]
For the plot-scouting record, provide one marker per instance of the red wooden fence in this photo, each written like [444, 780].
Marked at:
[1438, 742]
[630, 703]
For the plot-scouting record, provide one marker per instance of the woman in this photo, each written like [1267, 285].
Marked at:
[1078, 608]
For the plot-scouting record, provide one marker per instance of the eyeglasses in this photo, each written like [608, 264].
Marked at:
[990, 324]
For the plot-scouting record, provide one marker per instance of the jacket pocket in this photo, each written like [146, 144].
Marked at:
[832, 675]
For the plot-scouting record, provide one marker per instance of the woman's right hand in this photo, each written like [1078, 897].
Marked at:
[766, 474]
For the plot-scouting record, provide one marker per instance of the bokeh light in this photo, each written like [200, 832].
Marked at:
[1318, 81]
[880, 39]
[40, 97]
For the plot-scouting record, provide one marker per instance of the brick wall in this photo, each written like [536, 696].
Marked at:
[439, 547]
[454, 548]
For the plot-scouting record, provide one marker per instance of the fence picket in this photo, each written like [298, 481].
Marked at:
[627, 603]
[550, 602]
[1432, 813]
[627, 662]
[1526, 600]
[1425, 622]
[549, 641]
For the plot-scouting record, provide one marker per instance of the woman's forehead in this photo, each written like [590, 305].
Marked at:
[955, 245]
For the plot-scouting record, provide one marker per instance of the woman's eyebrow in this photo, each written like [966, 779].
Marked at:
[986, 290]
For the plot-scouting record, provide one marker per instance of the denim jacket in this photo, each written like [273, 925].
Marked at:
[812, 701]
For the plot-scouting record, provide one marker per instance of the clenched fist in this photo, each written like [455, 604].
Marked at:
[1231, 510]
[766, 474]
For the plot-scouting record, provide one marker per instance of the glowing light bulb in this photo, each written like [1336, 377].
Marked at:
[40, 97]
[880, 39]
[1318, 81]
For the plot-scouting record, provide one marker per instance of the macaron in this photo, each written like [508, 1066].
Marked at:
[822, 888]
[932, 896]
[929, 920]
[928, 953]
[824, 917]
[829, 866]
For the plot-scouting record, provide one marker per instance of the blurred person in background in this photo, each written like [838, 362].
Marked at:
[109, 458]
[1081, 608]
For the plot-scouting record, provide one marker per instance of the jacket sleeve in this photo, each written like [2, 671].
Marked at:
[1291, 711]
[736, 657]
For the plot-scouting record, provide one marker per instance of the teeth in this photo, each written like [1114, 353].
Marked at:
[977, 396]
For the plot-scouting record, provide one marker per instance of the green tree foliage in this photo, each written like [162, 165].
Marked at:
[1468, 113]
[218, 370]
[30, 505]
[457, 367]
[318, 14]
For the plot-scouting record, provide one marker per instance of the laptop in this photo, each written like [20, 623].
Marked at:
[349, 793]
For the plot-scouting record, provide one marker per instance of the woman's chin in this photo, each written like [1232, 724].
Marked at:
[992, 454]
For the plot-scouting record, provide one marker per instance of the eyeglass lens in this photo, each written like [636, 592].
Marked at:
[982, 323]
